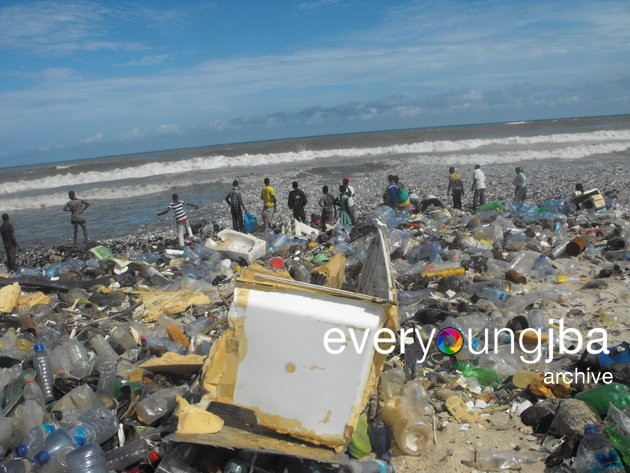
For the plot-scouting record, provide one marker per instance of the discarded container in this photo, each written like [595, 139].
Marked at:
[238, 246]
[576, 246]
[596, 453]
[601, 397]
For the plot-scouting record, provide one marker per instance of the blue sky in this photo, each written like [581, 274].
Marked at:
[88, 78]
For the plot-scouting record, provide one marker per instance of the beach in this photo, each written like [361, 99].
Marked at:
[554, 156]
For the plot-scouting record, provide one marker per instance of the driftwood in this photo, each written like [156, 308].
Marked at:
[45, 284]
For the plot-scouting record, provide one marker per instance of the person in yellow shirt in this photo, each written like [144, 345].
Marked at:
[455, 184]
[268, 196]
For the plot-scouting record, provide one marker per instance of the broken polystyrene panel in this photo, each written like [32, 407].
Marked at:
[273, 359]
[238, 246]
[301, 229]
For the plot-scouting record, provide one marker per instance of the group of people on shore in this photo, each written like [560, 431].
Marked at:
[330, 206]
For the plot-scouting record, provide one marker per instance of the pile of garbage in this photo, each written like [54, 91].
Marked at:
[116, 360]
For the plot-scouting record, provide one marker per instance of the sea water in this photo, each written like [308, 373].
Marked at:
[125, 192]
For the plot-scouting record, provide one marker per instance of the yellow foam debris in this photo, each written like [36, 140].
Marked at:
[9, 297]
[195, 420]
[156, 303]
[29, 300]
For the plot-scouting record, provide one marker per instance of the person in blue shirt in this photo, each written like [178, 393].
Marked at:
[391, 193]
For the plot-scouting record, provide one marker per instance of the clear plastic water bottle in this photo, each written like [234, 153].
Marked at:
[596, 453]
[79, 358]
[492, 294]
[165, 344]
[95, 425]
[89, 458]
[536, 320]
[120, 458]
[22, 272]
[15, 466]
[32, 389]
[505, 459]
[105, 351]
[279, 242]
[33, 441]
[197, 326]
[52, 445]
[106, 378]
[159, 404]
[45, 376]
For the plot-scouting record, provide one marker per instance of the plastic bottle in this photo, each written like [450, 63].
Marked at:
[52, 445]
[6, 434]
[120, 458]
[544, 269]
[300, 272]
[165, 344]
[536, 320]
[15, 466]
[601, 397]
[33, 441]
[81, 362]
[369, 466]
[429, 251]
[596, 454]
[58, 463]
[198, 326]
[405, 415]
[485, 376]
[492, 294]
[89, 458]
[122, 339]
[505, 459]
[95, 425]
[159, 404]
[105, 351]
[106, 378]
[380, 439]
[32, 389]
[23, 272]
[45, 377]
[620, 441]
[522, 261]
[409, 297]
[279, 242]
[391, 383]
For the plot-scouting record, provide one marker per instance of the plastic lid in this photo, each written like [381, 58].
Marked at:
[38, 347]
[21, 450]
[277, 263]
[42, 457]
[79, 436]
[590, 428]
[154, 456]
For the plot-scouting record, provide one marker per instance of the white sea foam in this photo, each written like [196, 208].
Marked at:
[482, 151]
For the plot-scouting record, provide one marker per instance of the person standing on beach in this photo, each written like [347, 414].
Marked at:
[479, 187]
[520, 186]
[235, 201]
[10, 243]
[297, 202]
[344, 216]
[268, 196]
[346, 182]
[327, 204]
[455, 186]
[391, 193]
[177, 206]
[77, 207]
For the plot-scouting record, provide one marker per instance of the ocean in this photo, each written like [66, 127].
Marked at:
[125, 192]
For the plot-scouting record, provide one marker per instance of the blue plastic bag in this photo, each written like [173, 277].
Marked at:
[250, 222]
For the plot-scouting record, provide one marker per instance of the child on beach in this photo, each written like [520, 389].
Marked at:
[77, 207]
[181, 218]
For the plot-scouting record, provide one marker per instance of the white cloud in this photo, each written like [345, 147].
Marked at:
[171, 129]
[97, 138]
[131, 135]
[153, 60]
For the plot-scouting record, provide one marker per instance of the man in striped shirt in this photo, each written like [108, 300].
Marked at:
[76, 207]
[235, 201]
[181, 218]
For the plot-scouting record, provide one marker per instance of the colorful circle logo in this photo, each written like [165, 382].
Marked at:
[450, 341]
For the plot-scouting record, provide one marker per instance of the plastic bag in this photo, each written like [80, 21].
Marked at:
[250, 222]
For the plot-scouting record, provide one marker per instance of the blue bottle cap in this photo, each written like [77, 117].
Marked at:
[42, 457]
[38, 347]
[21, 450]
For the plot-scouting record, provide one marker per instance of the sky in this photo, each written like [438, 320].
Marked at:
[83, 79]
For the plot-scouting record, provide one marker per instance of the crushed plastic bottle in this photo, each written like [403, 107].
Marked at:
[596, 454]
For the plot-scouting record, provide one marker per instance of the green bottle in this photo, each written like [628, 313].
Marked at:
[601, 397]
[498, 205]
[485, 376]
[620, 442]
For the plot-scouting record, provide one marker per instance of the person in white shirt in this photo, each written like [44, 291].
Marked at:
[520, 186]
[478, 187]
[350, 192]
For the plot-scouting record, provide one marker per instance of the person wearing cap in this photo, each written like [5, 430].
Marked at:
[297, 202]
[520, 186]
[456, 186]
[268, 196]
[344, 213]
[478, 187]
[235, 200]
[10, 242]
[350, 191]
